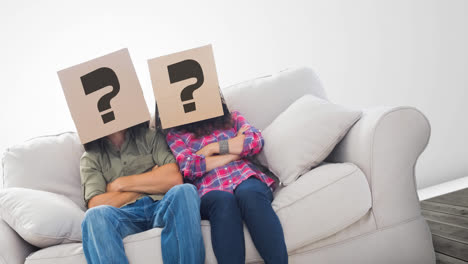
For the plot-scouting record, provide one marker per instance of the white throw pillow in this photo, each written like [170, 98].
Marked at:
[47, 163]
[41, 218]
[303, 136]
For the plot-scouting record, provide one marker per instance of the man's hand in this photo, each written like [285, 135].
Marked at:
[116, 199]
[114, 186]
[118, 185]
[158, 180]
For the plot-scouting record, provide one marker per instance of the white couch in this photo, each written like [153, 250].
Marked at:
[359, 207]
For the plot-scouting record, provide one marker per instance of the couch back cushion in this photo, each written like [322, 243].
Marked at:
[262, 99]
[47, 163]
[51, 163]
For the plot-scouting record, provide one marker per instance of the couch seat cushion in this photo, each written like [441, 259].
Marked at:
[319, 204]
[322, 202]
[140, 248]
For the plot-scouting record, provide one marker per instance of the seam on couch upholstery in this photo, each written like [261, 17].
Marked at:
[47, 236]
[396, 109]
[330, 146]
[360, 236]
[144, 239]
[51, 135]
[323, 187]
[34, 259]
[251, 80]
[44, 136]
[2, 260]
[13, 146]
[127, 242]
[25, 230]
[3, 167]
[291, 253]
[429, 132]
[39, 259]
[371, 151]
[335, 229]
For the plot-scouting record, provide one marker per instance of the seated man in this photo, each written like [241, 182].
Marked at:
[131, 183]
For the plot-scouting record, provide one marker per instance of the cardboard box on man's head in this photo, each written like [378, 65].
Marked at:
[104, 95]
[185, 86]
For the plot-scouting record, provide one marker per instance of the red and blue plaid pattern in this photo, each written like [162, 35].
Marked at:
[225, 178]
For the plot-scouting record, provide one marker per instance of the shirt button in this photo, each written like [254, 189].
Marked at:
[125, 163]
[230, 181]
[188, 158]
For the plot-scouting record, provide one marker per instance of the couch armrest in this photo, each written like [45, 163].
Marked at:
[386, 143]
[13, 249]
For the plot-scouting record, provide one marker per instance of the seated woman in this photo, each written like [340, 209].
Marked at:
[212, 155]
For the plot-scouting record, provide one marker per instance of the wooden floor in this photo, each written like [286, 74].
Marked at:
[447, 216]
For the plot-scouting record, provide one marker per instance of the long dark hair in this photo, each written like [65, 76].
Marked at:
[96, 144]
[203, 127]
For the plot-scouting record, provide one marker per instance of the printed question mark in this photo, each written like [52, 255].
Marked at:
[184, 70]
[97, 80]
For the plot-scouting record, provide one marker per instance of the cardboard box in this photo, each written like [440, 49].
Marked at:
[104, 95]
[185, 86]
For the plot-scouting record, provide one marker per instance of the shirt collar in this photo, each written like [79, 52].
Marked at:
[129, 135]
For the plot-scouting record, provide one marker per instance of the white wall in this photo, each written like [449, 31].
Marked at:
[405, 52]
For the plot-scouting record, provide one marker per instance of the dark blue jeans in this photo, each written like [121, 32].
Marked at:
[250, 202]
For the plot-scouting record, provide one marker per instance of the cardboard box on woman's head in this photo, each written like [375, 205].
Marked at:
[185, 85]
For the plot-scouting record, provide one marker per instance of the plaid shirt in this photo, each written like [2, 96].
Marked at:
[224, 178]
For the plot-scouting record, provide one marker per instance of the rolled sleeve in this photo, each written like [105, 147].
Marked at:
[162, 155]
[253, 141]
[191, 165]
[92, 179]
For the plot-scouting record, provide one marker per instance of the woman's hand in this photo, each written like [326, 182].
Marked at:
[209, 150]
[242, 130]
[237, 142]
[234, 157]
[216, 161]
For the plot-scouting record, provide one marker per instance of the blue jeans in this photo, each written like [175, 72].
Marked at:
[251, 202]
[178, 213]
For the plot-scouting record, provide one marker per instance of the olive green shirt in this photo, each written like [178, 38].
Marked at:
[142, 149]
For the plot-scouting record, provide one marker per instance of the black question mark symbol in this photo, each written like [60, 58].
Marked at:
[97, 80]
[184, 70]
